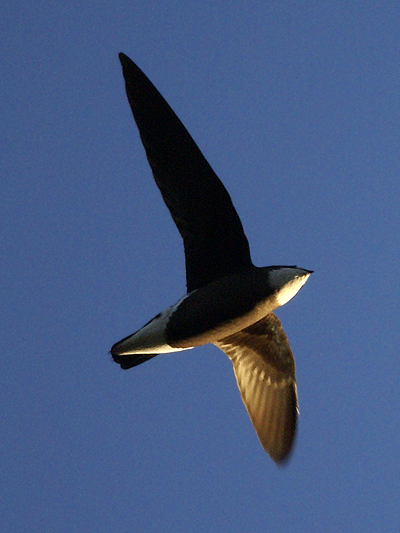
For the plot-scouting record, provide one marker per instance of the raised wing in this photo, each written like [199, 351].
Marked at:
[265, 372]
[213, 236]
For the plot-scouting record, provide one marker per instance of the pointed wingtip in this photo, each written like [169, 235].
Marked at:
[125, 60]
[283, 458]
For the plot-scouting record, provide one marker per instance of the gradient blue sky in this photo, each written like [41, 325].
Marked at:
[296, 105]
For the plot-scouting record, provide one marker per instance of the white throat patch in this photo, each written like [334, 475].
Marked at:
[287, 282]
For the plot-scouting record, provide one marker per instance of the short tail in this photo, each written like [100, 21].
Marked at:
[129, 361]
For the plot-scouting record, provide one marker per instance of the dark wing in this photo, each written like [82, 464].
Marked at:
[214, 241]
[264, 368]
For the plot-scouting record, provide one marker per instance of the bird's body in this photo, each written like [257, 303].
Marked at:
[229, 301]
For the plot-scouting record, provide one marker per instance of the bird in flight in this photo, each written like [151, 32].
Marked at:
[229, 301]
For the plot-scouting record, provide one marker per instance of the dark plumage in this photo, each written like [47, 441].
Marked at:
[229, 301]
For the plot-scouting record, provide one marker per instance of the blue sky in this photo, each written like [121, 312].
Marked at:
[296, 107]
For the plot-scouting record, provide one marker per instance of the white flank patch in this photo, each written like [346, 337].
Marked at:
[151, 337]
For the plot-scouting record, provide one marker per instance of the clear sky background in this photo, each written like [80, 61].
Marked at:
[296, 105]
